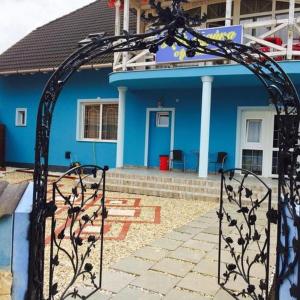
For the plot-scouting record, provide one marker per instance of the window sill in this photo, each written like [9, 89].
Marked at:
[96, 141]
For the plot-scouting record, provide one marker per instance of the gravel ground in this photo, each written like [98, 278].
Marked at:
[174, 213]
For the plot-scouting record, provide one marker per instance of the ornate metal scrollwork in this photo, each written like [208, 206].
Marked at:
[174, 26]
[77, 207]
[245, 234]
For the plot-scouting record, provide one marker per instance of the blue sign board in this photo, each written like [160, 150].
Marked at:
[177, 53]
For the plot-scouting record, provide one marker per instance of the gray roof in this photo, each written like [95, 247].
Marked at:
[48, 46]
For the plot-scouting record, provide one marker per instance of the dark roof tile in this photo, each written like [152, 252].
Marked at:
[49, 45]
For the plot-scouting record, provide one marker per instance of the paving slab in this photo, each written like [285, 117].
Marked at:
[156, 281]
[99, 295]
[199, 245]
[189, 229]
[223, 295]
[167, 244]
[211, 238]
[179, 236]
[225, 256]
[198, 224]
[199, 283]
[206, 220]
[207, 267]
[213, 229]
[173, 267]
[133, 265]
[177, 294]
[131, 293]
[151, 253]
[187, 254]
[115, 281]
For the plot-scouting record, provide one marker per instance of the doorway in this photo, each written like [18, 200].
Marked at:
[159, 136]
[258, 141]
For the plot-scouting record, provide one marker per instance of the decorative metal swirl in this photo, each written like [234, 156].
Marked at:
[247, 242]
[174, 27]
[81, 206]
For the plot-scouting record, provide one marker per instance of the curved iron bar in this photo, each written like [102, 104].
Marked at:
[242, 233]
[173, 28]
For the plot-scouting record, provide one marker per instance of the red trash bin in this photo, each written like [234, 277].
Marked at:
[164, 162]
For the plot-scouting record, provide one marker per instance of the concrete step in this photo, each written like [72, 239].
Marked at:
[161, 192]
[209, 189]
[170, 181]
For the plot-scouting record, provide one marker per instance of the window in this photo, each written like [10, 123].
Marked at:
[21, 116]
[252, 160]
[253, 131]
[162, 119]
[98, 121]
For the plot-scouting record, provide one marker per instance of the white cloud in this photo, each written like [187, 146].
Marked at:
[20, 17]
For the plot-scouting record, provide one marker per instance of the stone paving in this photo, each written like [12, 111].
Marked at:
[181, 265]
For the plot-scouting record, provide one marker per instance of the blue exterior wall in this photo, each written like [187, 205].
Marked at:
[25, 91]
[187, 104]
[229, 92]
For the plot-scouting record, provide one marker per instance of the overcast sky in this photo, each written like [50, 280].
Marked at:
[19, 17]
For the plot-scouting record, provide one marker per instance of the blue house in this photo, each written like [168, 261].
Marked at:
[128, 109]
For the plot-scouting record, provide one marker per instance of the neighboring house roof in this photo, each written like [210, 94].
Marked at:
[45, 48]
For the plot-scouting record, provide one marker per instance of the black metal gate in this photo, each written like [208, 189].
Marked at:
[244, 235]
[77, 226]
[172, 25]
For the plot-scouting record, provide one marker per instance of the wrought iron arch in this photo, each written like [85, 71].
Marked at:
[173, 25]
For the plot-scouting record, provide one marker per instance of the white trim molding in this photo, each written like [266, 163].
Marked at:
[80, 117]
[157, 109]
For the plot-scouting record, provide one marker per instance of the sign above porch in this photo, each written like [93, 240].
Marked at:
[177, 53]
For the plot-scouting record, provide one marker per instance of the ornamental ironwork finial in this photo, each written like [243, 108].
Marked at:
[173, 14]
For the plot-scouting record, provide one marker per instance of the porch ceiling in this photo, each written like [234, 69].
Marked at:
[189, 77]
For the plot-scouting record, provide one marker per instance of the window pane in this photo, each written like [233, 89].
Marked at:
[253, 131]
[109, 121]
[255, 6]
[91, 121]
[215, 11]
[252, 161]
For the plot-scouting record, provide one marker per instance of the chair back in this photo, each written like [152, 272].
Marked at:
[177, 155]
[221, 157]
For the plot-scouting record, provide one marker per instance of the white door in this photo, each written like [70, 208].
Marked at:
[254, 141]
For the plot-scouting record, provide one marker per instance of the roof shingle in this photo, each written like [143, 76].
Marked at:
[48, 46]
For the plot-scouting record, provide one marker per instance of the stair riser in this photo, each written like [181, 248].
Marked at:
[207, 184]
[214, 190]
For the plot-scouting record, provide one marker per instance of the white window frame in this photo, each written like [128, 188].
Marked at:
[81, 103]
[19, 110]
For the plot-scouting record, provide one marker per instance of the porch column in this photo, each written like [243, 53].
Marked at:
[205, 123]
[126, 28]
[228, 12]
[121, 126]
[291, 27]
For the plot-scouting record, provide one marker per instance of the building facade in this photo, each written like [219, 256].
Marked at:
[127, 110]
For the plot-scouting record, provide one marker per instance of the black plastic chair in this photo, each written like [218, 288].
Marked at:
[177, 157]
[221, 159]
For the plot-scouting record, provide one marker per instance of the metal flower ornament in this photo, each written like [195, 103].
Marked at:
[172, 25]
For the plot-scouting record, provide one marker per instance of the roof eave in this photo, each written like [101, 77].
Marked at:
[52, 69]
